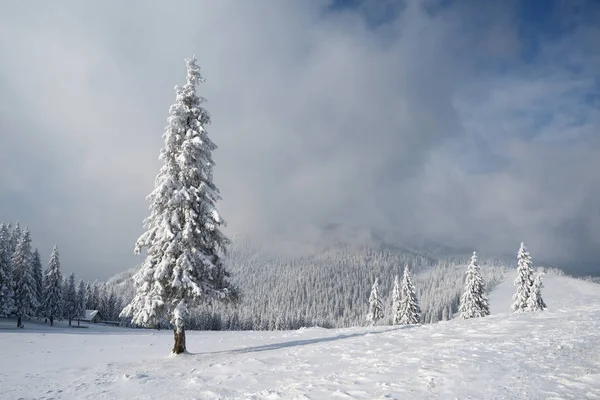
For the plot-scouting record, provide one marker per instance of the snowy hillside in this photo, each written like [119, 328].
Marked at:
[553, 354]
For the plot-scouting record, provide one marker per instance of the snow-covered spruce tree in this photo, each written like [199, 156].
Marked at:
[375, 305]
[396, 299]
[52, 305]
[184, 244]
[535, 302]
[39, 281]
[108, 303]
[70, 299]
[81, 299]
[7, 294]
[410, 312]
[524, 280]
[473, 302]
[25, 288]
[92, 300]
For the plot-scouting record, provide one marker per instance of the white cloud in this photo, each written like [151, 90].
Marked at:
[317, 116]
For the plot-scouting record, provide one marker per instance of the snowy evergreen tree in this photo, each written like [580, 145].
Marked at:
[473, 302]
[91, 302]
[7, 295]
[81, 300]
[39, 281]
[70, 300]
[396, 300]
[375, 305]
[535, 302]
[52, 305]
[410, 312]
[25, 288]
[184, 244]
[109, 308]
[524, 280]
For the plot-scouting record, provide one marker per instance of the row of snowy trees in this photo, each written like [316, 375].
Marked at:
[474, 302]
[405, 305]
[324, 288]
[25, 290]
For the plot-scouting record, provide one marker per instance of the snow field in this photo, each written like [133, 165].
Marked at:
[553, 354]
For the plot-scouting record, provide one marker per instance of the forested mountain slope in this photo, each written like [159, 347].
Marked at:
[324, 279]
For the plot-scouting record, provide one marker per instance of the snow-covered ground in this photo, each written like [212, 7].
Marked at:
[553, 354]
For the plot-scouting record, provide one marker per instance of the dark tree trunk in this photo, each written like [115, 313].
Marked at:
[69, 321]
[51, 321]
[19, 321]
[78, 322]
[179, 346]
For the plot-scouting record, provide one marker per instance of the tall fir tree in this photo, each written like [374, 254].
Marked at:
[70, 307]
[396, 299]
[375, 305]
[7, 294]
[39, 281]
[53, 292]
[474, 302]
[93, 293]
[184, 242]
[81, 300]
[108, 304]
[25, 287]
[410, 312]
[88, 296]
[524, 280]
[535, 302]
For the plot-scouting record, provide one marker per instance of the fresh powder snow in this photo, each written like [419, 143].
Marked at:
[552, 354]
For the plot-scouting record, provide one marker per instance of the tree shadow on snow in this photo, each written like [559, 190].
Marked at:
[304, 342]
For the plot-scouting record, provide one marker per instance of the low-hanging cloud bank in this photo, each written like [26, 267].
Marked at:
[459, 121]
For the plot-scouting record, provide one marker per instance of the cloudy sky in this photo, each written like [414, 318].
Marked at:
[470, 122]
